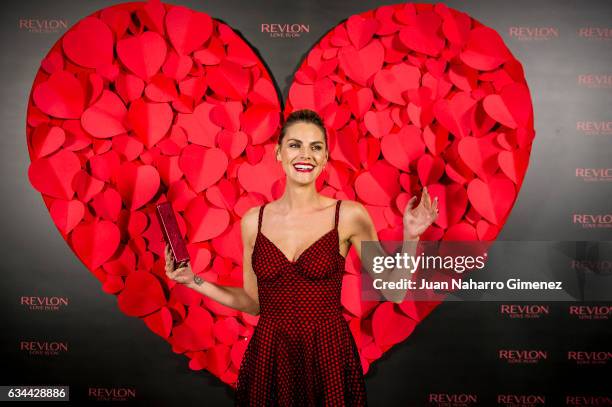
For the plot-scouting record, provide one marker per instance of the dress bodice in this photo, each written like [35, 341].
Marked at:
[312, 283]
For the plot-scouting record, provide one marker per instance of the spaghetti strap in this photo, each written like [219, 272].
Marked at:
[260, 216]
[337, 212]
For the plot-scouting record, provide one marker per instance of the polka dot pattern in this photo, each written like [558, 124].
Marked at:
[302, 352]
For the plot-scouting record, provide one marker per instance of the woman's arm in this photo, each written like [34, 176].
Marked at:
[415, 222]
[241, 298]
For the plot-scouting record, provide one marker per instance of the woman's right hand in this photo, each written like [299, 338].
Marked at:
[182, 275]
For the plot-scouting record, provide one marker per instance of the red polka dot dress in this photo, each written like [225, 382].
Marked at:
[302, 352]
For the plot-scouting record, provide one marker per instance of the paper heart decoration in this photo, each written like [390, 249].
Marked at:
[412, 94]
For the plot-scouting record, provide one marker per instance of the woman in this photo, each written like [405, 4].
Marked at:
[302, 351]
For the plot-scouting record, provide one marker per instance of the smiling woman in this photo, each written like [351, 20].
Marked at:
[302, 351]
[307, 133]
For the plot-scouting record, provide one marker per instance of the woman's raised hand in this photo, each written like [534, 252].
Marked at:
[182, 275]
[417, 220]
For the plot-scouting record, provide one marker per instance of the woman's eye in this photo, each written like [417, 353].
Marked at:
[317, 147]
[293, 145]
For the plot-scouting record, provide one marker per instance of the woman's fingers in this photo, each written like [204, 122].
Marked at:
[427, 198]
[181, 273]
[424, 195]
[434, 209]
[181, 270]
[169, 262]
[410, 204]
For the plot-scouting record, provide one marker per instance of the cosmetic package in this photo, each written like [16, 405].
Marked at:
[172, 234]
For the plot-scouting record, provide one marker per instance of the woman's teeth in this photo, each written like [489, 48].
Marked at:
[303, 168]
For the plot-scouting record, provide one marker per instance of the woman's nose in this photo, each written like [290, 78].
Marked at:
[304, 152]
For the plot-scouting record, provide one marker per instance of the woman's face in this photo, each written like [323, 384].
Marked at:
[303, 152]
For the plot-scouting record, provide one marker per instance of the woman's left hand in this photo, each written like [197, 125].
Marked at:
[417, 220]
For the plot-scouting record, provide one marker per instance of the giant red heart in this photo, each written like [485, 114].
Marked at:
[412, 94]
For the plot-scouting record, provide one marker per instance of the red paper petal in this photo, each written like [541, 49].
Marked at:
[393, 82]
[160, 322]
[512, 107]
[379, 124]
[89, 43]
[196, 331]
[202, 166]
[260, 178]
[452, 203]
[137, 184]
[480, 154]
[106, 117]
[142, 295]
[46, 140]
[229, 79]
[514, 164]
[53, 175]
[177, 66]
[378, 185]
[161, 89]
[66, 214]
[494, 199]
[95, 242]
[142, 54]
[129, 87]
[150, 121]
[205, 222]
[86, 186]
[361, 30]
[360, 65]
[260, 122]
[61, 96]
[389, 326]
[187, 29]
[485, 49]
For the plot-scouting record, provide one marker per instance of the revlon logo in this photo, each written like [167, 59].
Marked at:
[111, 393]
[43, 348]
[595, 81]
[594, 128]
[533, 33]
[36, 303]
[43, 25]
[285, 30]
[592, 221]
[590, 311]
[588, 401]
[524, 311]
[595, 33]
[520, 400]
[452, 399]
[594, 266]
[516, 356]
[594, 174]
[589, 358]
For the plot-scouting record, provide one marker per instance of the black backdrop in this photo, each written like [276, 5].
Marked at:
[453, 357]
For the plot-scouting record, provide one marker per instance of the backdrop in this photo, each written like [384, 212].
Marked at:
[59, 328]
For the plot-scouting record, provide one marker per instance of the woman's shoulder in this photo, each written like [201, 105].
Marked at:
[353, 218]
[350, 205]
[249, 219]
[352, 211]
